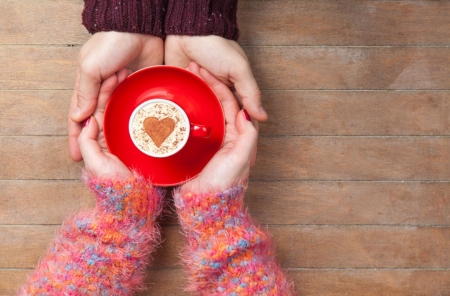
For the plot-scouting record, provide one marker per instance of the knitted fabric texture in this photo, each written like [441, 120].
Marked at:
[134, 16]
[228, 254]
[103, 251]
[202, 17]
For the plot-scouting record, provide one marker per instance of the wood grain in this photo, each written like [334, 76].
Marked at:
[318, 203]
[303, 158]
[307, 282]
[345, 113]
[42, 22]
[298, 246]
[37, 158]
[27, 202]
[380, 203]
[352, 158]
[352, 174]
[37, 67]
[341, 22]
[34, 112]
[274, 22]
[354, 68]
[371, 282]
[371, 113]
[332, 68]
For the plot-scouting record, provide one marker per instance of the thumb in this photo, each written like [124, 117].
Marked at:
[246, 141]
[87, 95]
[89, 147]
[250, 95]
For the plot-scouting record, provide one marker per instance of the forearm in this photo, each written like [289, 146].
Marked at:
[227, 253]
[104, 250]
[133, 16]
[202, 17]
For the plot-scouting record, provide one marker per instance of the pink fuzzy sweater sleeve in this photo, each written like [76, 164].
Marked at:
[103, 251]
[228, 254]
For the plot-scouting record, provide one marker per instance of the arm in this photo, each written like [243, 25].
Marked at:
[103, 251]
[202, 18]
[128, 34]
[228, 253]
[132, 16]
[205, 32]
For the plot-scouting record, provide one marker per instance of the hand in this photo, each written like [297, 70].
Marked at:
[101, 56]
[98, 161]
[231, 164]
[223, 58]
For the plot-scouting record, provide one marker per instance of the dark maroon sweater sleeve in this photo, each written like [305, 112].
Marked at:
[134, 16]
[202, 17]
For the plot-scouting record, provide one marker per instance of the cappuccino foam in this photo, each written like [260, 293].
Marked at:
[159, 113]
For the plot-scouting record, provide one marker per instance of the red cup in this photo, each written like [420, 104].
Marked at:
[193, 96]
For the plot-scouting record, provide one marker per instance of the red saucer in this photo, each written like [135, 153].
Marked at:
[187, 90]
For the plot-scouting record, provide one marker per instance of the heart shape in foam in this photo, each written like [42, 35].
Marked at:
[159, 130]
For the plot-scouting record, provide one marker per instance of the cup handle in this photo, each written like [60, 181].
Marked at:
[200, 131]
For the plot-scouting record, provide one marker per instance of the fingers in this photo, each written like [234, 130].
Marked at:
[89, 147]
[105, 92]
[74, 132]
[245, 145]
[229, 103]
[87, 92]
[107, 88]
[194, 68]
[248, 90]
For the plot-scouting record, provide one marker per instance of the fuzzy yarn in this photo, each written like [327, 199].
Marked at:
[103, 251]
[228, 253]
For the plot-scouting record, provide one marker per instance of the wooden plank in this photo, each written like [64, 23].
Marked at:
[282, 22]
[303, 158]
[12, 279]
[319, 203]
[344, 113]
[42, 22]
[38, 67]
[353, 68]
[298, 246]
[352, 158]
[37, 158]
[371, 282]
[331, 68]
[381, 203]
[307, 282]
[362, 246]
[341, 22]
[34, 112]
[27, 202]
[291, 113]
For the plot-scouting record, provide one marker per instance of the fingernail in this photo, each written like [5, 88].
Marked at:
[246, 115]
[86, 122]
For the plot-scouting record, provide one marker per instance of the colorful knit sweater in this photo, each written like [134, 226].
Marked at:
[105, 251]
[228, 254]
[163, 17]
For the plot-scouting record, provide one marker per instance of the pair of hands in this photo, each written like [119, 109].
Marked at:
[109, 57]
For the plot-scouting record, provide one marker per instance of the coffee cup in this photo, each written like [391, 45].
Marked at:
[193, 101]
[161, 128]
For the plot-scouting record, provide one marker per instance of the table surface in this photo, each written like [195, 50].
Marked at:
[352, 175]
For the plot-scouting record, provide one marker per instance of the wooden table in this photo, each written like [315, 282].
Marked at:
[352, 176]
